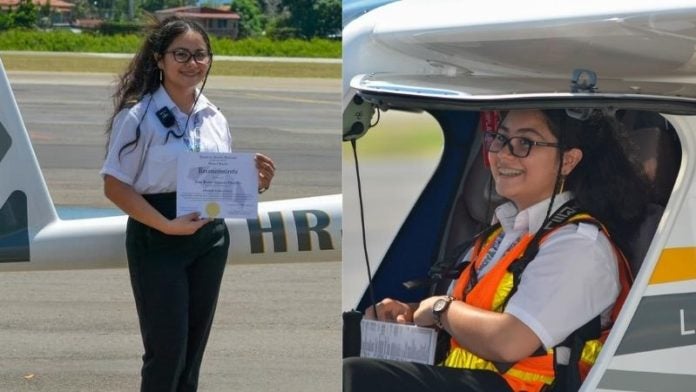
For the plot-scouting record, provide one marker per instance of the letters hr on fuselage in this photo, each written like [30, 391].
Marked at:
[303, 231]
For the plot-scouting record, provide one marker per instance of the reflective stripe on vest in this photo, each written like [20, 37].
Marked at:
[491, 292]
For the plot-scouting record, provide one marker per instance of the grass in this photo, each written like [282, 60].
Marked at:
[399, 134]
[72, 63]
[65, 41]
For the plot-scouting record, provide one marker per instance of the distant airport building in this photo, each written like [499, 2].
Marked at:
[218, 22]
[88, 23]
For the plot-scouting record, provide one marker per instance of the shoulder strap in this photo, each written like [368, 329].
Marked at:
[567, 213]
[449, 267]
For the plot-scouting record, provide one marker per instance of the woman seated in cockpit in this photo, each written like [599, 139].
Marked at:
[544, 283]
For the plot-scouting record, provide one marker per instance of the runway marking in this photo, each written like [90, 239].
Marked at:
[42, 101]
[286, 99]
[40, 136]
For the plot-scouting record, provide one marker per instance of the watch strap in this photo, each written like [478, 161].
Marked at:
[438, 314]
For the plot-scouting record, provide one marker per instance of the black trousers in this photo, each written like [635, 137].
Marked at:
[368, 375]
[176, 281]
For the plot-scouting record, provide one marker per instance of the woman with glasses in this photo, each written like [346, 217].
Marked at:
[175, 262]
[531, 309]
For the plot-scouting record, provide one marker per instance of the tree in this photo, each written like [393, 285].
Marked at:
[82, 9]
[328, 14]
[311, 18]
[5, 20]
[252, 22]
[271, 8]
[44, 15]
[300, 17]
[45, 9]
[26, 14]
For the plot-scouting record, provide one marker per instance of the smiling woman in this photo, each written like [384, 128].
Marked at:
[572, 192]
[176, 262]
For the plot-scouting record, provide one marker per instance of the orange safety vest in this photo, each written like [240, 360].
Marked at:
[491, 293]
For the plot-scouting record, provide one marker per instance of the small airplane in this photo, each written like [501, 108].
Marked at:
[460, 62]
[352, 9]
[33, 237]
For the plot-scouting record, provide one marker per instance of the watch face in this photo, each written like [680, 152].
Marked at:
[439, 305]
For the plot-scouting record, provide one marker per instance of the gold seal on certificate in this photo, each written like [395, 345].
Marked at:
[212, 209]
[217, 185]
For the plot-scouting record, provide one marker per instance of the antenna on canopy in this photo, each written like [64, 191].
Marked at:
[583, 81]
[357, 118]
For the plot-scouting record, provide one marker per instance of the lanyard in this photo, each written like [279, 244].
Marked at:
[192, 139]
[478, 268]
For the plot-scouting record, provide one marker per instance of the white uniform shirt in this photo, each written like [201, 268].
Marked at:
[573, 278]
[150, 166]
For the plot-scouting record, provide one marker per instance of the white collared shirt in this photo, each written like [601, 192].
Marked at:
[573, 278]
[150, 166]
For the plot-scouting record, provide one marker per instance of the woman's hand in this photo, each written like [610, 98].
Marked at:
[490, 335]
[266, 169]
[423, 316]
[185, 224]
[133, 204]
[391, 310]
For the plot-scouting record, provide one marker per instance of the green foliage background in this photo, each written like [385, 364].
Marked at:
[253, 21]
[276, 19]
[65, 41]
[24, 15]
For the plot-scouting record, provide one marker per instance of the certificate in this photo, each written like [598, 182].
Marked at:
[217, 185]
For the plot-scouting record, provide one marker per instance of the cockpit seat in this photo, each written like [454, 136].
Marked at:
[477, 201]
[658, 149]
[659, 153]
[642, 238]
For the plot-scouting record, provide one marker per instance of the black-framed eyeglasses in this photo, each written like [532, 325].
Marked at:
[517, 145]
[182, 55]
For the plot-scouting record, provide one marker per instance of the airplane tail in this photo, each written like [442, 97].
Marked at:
[26, 206]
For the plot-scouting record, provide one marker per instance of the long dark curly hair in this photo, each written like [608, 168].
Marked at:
[142, 76]
[608, 182]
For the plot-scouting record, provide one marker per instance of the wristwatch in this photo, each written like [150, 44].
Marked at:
[439, 308]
